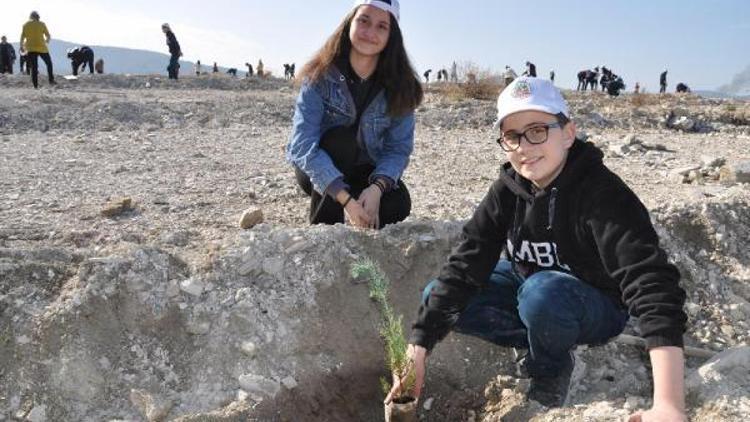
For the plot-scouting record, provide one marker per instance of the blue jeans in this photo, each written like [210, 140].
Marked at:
[174, 66]
[548, 313]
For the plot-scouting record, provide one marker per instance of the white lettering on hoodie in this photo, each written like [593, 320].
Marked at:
[542, 254]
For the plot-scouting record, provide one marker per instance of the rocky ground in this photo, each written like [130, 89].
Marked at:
[129, 291]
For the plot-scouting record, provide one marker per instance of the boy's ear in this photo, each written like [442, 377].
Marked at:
[569, 134]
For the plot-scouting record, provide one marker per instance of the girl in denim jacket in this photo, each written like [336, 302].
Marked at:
[353, 125]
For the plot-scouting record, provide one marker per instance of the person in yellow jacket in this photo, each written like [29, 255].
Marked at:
[34, 40]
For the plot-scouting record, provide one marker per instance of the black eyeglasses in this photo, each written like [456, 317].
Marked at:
[510, 140]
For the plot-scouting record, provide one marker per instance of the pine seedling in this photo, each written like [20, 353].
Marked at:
[391, 329]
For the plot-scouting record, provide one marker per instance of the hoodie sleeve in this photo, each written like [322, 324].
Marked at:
[629, 250]
[468, 268]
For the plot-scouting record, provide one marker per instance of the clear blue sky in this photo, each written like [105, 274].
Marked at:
[703, 43]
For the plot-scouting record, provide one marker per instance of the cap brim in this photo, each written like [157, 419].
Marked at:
[531, 107]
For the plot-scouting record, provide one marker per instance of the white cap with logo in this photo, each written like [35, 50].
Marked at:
[387, 5]
[525, 94]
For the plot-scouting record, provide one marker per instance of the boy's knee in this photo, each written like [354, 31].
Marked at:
[544, 299]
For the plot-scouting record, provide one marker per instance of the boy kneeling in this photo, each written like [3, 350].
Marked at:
[580, 256]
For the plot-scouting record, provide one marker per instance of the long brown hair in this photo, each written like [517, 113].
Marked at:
[403, 90]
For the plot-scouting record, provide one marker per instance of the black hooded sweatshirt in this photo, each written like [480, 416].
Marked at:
[588, 223]
[174, 46]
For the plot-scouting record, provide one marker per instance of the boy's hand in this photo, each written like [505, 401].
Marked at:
[659, 414]
[417, 355]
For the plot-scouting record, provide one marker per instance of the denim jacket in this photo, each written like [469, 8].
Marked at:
[320, 106]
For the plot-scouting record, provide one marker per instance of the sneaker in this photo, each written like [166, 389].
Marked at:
[553, 391]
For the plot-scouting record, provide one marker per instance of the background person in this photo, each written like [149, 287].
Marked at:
[7, 56]
[80, 57]
[175, 52]
[34, 40]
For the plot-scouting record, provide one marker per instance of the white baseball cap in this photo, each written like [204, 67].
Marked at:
[387, 5]
[525, 94]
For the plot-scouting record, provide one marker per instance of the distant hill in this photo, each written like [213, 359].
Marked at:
[721, 95]
[712, 94]
[117, 59]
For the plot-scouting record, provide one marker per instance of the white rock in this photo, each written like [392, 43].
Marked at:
[248, 348]
[692, 309]
[273, 266]
[251, 217]
[428, 403]
[683, 123]
[724, 374]
[258, 386]
[289, 382]
[37, 414]
[192, 286]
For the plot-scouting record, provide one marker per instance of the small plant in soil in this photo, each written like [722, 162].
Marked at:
[391, 329]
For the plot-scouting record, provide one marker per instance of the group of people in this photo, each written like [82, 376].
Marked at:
[559, 253]
[258, 70]
[443, 75]
[175, 52]
[34, 45]
[604, 78]
[613, 83]
[289, 70]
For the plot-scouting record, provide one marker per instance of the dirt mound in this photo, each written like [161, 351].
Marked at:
[273, 326]
[275, 318]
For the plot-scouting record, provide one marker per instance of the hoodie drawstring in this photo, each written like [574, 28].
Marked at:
[551, 208]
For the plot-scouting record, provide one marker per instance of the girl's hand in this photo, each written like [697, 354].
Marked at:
[356, 214]
[370, 201]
